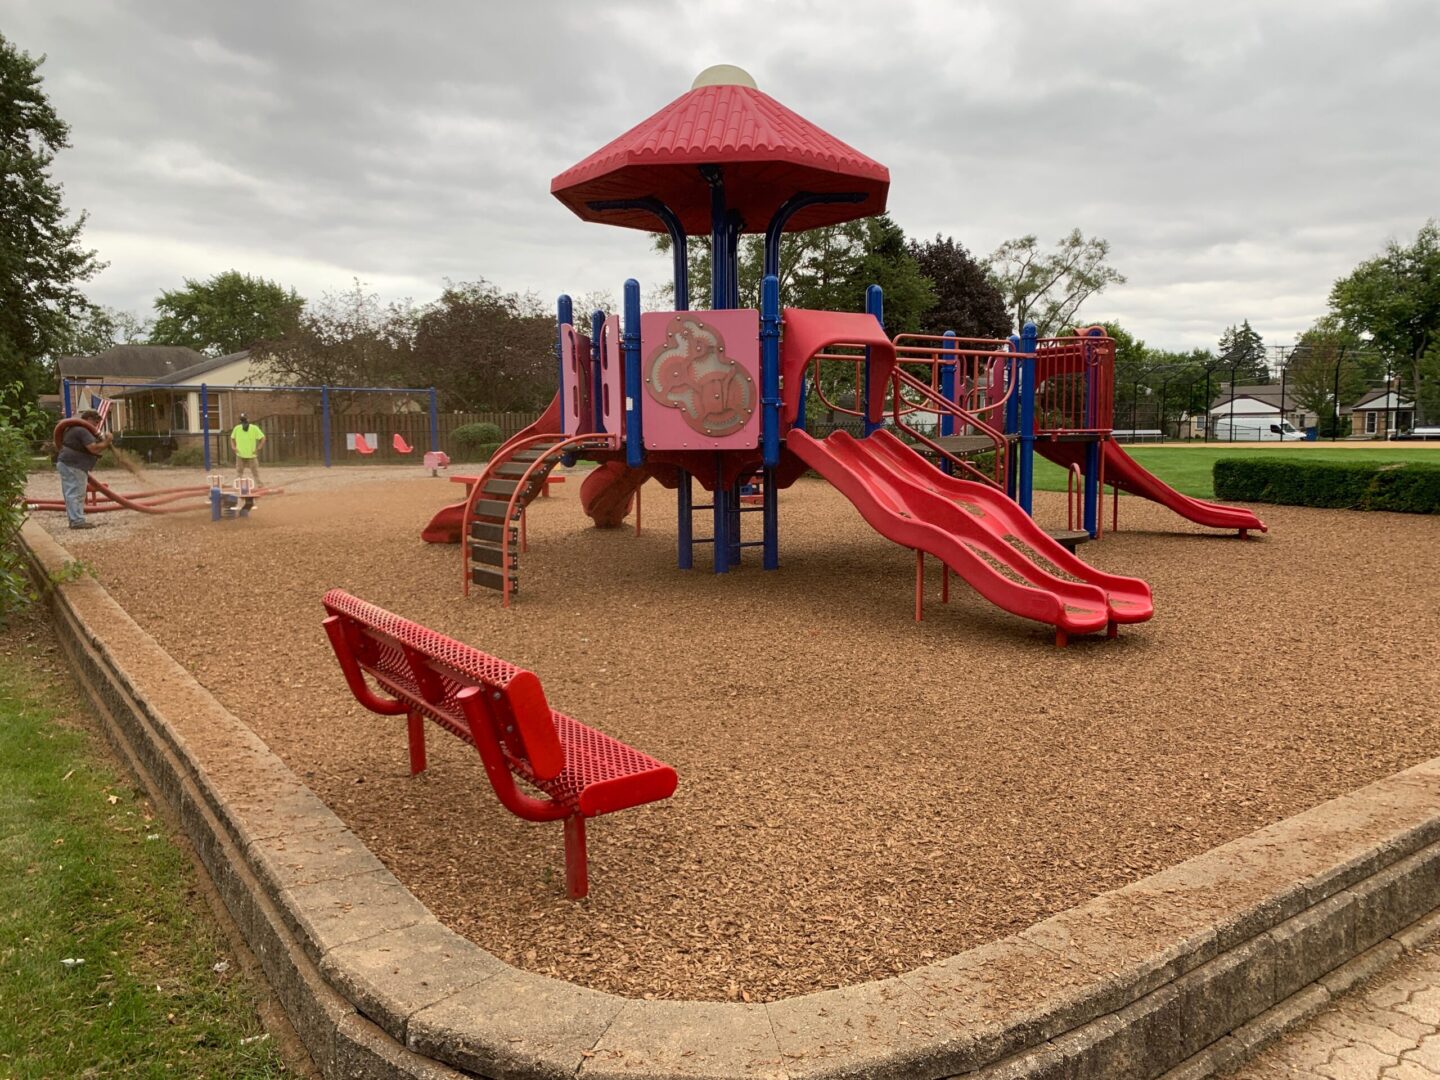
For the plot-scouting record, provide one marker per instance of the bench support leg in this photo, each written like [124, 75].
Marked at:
[416, 724]
[577, 877]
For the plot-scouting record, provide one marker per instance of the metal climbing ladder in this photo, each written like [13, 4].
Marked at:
[726, 506]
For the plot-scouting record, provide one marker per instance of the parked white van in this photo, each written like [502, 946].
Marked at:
[1254, 429]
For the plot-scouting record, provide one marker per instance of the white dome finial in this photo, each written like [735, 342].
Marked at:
[723, 75]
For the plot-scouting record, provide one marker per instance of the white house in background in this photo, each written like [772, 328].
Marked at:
[1258, 414]
[1379, 412]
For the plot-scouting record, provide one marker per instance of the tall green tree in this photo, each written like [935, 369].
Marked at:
[41, 260]
[1049, 287]
[1328, 368]
[101, 328]
[1393, 302]
[966, 300]
[1241, 355]
[229, 312]
[827, 269]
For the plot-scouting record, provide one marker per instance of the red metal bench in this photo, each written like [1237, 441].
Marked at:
[499, 709]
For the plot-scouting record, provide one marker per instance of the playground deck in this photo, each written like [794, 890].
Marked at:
[876, 795]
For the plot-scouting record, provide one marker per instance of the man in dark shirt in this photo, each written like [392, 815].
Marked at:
[79, 450]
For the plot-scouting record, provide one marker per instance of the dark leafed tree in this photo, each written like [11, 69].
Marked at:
[1242, 355]
[1393, 302]
[827, 269]
[1049, 287]
[966, 301]
[41, 260]
[487, 349]
[229, 312]
[345, 339]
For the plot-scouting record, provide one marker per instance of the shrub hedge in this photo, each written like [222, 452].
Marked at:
[477, 434]
[1408, 488]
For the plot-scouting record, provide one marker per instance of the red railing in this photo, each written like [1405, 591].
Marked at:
[1074, 385]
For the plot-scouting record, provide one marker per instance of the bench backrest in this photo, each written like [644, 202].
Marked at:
[428, 671]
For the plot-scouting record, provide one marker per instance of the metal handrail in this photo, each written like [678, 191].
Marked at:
[592, 441]
[900, 378]
[486, 474]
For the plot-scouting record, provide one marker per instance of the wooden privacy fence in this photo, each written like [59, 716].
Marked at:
[291, 438]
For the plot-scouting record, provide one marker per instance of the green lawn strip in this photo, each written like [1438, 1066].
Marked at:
[88, 873]
[1188, 468]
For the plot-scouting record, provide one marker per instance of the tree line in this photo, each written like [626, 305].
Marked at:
[484, 348]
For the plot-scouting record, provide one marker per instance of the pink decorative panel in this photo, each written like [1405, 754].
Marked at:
[612, 378]
[575, 365]
[700, 372]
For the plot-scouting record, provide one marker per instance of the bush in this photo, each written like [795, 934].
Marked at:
[474, 435]
[1345, 485]
[188, 457]
[16, 426]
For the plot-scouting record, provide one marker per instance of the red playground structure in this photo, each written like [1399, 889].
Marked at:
[948, 427]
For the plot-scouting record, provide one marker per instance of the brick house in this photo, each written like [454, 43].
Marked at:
[1379, 413]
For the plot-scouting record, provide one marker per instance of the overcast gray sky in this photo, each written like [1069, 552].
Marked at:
[1239, 155]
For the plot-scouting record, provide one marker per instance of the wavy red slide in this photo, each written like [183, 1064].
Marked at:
[1131, 477]
[966, 525]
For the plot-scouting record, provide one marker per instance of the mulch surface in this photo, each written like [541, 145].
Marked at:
[859, 794]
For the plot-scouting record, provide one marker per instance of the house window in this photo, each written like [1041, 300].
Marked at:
[1370, 416]
[1404, 421]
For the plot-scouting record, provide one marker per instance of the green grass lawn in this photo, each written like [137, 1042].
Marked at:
[1188, 468]
[89, 873]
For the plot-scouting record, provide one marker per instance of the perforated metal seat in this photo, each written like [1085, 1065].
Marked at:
[501, 710]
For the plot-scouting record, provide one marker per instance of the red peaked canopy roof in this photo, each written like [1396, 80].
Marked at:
[767, 153]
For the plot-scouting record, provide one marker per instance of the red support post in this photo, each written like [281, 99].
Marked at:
[637, 510]
[919, 584]
[944, 583]
[416, 725]
[577, 876]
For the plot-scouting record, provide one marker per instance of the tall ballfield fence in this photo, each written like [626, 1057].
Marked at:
[190, 423]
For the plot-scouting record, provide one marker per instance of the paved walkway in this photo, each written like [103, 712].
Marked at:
[1385, 1029]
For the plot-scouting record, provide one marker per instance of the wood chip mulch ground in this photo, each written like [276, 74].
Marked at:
[858, 794]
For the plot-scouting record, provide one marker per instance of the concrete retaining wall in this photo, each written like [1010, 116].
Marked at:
[1185, 971]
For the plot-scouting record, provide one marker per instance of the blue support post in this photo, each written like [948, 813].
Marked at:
[434, 420]
[1012, 417]
[679, 252]
[874, 305]
[770, 370]
[325, 422]
[950, 358]
[770, 518]
[1027, 417]
[597, 406]
[721, 515]
[65, 396]
[733, 532]
[205, 425]
[634, 435]
[564, 313]
[685, 499]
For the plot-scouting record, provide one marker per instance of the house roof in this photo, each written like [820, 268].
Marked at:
[1266, 393]
[130, 362]
[204, 367]
[1381, 398]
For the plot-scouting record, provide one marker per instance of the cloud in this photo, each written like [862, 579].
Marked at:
[1239, 157]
